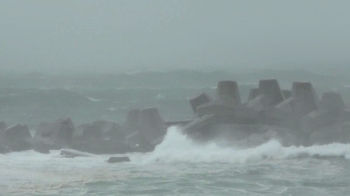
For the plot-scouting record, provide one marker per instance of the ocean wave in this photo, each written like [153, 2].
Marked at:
[176, 147]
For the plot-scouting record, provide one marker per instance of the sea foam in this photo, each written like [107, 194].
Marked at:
[176, 147]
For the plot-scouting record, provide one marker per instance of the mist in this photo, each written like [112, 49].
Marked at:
[122, 35]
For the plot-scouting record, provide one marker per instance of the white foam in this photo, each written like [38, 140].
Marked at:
[176, 147]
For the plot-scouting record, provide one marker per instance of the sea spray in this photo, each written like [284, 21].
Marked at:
[177, 147]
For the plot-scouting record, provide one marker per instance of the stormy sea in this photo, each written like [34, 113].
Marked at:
[177, 166]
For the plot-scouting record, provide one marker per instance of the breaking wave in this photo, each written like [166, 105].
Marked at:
[176, 147]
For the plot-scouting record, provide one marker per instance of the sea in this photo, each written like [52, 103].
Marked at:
[177, 166]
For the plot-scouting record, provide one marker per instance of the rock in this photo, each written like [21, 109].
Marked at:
[118, 159]
[17, 136]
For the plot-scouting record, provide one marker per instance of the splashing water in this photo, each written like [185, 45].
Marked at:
[176, 147]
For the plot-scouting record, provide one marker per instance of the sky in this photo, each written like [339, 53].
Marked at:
[126, 35]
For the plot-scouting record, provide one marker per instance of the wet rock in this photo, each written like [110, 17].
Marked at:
[118, 159]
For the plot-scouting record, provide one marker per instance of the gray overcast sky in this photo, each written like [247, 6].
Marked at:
[118, 35]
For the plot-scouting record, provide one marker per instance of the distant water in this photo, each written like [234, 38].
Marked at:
[180, 167]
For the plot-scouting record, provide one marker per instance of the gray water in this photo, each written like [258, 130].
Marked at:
[177, 166]
[180, 167]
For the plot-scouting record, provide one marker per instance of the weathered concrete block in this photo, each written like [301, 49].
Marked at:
[59, 133]
[269, 95]
[113, 131]
[227, 98]
[229, 93]
[289, 112]
[253, 93]
[335, 133]
[102, 146]
[271, 89]
[151, 124]
[63, 131]
[199, 100]
[3, 126]
[132, 118]
[287, 94]
[87, 132]
[73, 153]
[118, 159]
[329, 112]
[216, 107]
[17, 136]
[138, 142]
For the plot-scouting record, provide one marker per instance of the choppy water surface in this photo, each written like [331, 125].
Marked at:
[179, 167]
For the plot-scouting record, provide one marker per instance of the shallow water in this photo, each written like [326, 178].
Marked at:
[180, 167]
